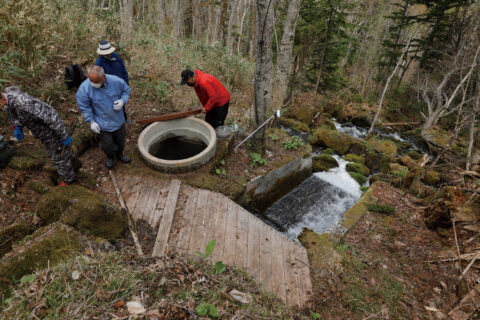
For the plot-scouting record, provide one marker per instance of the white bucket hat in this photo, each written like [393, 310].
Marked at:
[104, 48]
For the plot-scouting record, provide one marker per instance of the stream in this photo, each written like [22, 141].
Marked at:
[319, 202]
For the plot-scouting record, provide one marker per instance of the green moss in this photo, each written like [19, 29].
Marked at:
[12, 234]
[354, 158]
[359, 147]
[324, 121]
[323, 162]
[432, 178]
[83, 138]
[319, 248]
[414, 155]
[295, 125]
[362, 119]
[398, 170]
[26, 163]
[383, 146]
[380, 208]
[360, 178]
[406, 160]
[46, 247]
[329, 151]
[364, 188]
[353, 214]
[420, 190]
[338, 141]
[226, 186]
[377, 161]
[40, 187]
[84, 210]
[358, 168]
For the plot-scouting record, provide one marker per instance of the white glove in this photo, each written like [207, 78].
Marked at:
[118, 105]
[95, 127]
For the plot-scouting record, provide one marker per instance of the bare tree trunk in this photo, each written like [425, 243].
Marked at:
[473, 154]
[126, 18]
[161, 13]
[178, 19]
[284, 56]
[253, 26]
[263, 68]
[380, 104]
[231, 21]
[246, 8]
[221, 23]
[324, 50]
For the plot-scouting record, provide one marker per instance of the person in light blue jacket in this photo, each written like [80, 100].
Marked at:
[101, 98]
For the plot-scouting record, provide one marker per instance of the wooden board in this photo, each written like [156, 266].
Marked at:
[292, 280]
[241, 249]
[230, 234]
[187, 219]
[265, 259]
[151, 203]
[253, 258]
[305, 283]
[169, 116]
[197, 227]
[278, 264]
[209, 221]
[167, 219]
[219, 228]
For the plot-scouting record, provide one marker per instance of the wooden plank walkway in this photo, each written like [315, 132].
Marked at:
[281, 265]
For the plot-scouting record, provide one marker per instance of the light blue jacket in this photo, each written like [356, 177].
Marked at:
[96, 105]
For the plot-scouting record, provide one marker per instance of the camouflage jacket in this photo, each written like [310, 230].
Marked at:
[37, 116]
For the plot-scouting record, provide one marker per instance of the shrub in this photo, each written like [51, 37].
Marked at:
[380, 208]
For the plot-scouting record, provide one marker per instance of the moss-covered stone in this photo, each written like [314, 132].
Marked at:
[40, 187]
[84, 210]
[358, 168]
[397, 170]
[406, 160]
[420, 190]
[411, 177]
[338, 141]
[354, 214]
[324, 121]
[26, 163]
[294, 124]
[45, 247]
[362, 119]
[377, 161]
[11, 235]
[320, 250]
[432, 178]
[329, 151]
[83, 138]
[414, 155]
[304, 107]
[383, 146]
[358, 147]
[323, 162]
[360, 178]
[226, 186]
[354, 158]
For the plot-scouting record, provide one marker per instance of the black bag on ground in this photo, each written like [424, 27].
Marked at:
[74, 76]
[6, 152]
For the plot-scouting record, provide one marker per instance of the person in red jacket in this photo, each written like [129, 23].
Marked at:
[211, 93]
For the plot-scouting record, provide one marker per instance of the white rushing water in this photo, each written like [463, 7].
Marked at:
[317, 203]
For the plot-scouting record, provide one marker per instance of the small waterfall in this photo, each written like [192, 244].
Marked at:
[317, 203]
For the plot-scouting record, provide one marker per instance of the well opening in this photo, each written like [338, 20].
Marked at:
[178, 145]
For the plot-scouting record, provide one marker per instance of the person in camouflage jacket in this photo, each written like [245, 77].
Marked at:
[45, 124]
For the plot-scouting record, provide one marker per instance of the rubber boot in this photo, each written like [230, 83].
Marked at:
[110, 162]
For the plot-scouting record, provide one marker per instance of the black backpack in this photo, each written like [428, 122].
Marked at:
[74, 76]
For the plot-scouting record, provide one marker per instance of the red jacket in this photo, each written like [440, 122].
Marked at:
[210, 91]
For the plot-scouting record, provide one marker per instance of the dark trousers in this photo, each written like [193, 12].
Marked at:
[216, 116]
[113, 143]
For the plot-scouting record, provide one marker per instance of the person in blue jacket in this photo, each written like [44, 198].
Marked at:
[110, 61]
[101, 98]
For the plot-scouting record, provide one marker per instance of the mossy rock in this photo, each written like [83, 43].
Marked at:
[358, 168]
[323, 162]
[406, 160]
[45, 247]
[358, 147]
[383, 146]
[294, 124]
[83, 138]
[397, 170]
[40, 187]
[11, 235]
[320, 250]
[324, 121]
[26, 163]
[363, 119]
[84, 210]
[421, 190]
[360, 178]
[377, 161]
[354, 158]
[340, 142]
[305, 106]
[329, 151]
[414, 155]
[352, 215]
[225, 185]
[432, 178]
[411, 177]
[380, 177]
